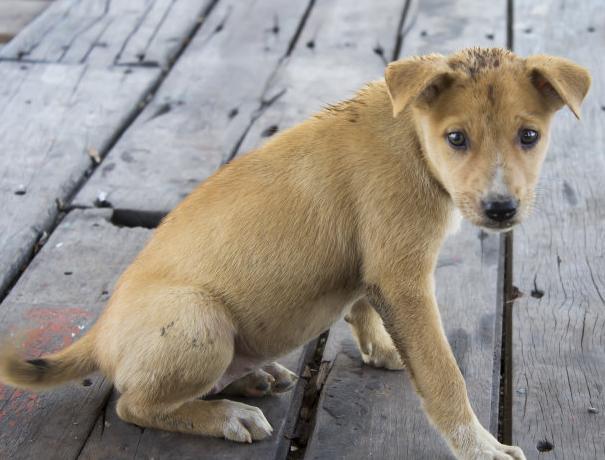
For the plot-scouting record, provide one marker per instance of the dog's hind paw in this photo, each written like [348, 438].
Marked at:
[245, 423]
[284, 379]
[272, 378]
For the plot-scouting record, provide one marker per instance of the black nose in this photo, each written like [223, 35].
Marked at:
[500, 210]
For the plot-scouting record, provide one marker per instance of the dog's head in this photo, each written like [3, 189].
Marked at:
[482, 118]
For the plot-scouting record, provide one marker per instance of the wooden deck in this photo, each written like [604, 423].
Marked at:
[111, 112]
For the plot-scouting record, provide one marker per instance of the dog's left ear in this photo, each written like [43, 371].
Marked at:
[416, 79]
[559, 80]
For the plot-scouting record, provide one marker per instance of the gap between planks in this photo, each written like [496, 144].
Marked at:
[65, 207]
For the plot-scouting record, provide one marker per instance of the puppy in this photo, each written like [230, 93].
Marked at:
[343, 214]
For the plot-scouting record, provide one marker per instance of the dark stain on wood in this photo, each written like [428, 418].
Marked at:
[569, 194]
[544, 446]
[536, 292]
[163, 109]
[270, 131]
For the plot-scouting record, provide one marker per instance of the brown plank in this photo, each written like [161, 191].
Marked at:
[52, 118]
[55, 301]
[16, 14]
[559, 264]
[102, 32]
[379, 407]
[202, 109]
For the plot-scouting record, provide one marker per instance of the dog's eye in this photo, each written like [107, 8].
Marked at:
[528, 137]
[457, 140]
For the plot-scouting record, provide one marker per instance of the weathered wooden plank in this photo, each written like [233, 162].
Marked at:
[102, 32]
[55, 301]
[16, 14]
[438, 26]
[343, 45]
[112, 438]
[559, 255]
[52, 118]
[381, 407]
[202, 109]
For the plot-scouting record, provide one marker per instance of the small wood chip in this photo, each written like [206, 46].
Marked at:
[94, 154]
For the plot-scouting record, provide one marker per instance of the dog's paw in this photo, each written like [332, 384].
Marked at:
[283, 379]
[476, 443]
[272, 378]
[381, 356]
[254, 385]
[245, 423]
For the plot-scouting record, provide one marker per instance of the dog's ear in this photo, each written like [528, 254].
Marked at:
[416, 79]
[559, 80]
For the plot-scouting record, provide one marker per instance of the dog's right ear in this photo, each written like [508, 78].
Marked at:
[417, 79]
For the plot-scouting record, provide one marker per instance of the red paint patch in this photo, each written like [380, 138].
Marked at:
[17, 404]
[51, 329]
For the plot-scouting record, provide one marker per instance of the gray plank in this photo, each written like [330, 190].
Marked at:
[372, 413]
[438, 26]
[51, 118]
[16, 14]
[104, 32]
[202, 109]
[343, 45]
[382, 406]
[559, 255]
[114, 439]
[54, 302]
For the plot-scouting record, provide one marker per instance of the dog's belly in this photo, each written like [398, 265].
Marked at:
[276, 333]
[298, 325]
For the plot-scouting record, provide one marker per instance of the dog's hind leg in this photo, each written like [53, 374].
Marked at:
[166, 369]
[375, 344]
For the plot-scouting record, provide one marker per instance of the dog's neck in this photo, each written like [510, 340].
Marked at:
[402, 135]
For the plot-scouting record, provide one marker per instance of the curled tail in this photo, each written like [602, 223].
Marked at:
[77, 360]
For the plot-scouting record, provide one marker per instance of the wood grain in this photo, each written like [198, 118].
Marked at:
[52, 117]
[438, 26]
[343, 46]
[112, 438]
[202, 109]
[55, 301]
[105, 32]
[16, 14]
[380, 407]
[559, 255]
[368, 413]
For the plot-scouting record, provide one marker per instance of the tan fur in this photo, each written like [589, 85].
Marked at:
[346, 211]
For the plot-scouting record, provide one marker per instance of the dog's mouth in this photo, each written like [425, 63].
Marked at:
[498, 227]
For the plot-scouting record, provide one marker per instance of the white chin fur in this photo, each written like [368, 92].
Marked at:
[455, 222]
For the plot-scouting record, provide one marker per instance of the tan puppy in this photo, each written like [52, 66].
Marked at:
[349, 208]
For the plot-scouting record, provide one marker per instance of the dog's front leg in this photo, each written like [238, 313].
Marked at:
[412, 319]
[375, 344]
